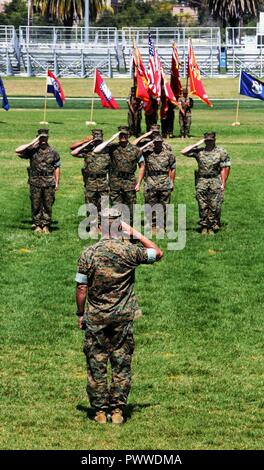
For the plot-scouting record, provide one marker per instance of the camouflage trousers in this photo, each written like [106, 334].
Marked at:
[42, 200]
[209, 197]
[134, 123]
[185, 122]
[113, 343]
[94, 197]
[151, 119]
[158, 198]
[128, 198]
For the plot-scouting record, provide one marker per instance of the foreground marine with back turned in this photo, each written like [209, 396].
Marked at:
[105, 278]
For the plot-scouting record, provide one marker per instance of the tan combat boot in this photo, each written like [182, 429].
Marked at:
[210, 231]
[204, 231]
[38, 230]
[100, 417]
[117, 416]
[45, 229]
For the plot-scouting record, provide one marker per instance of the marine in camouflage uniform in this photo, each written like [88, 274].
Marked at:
[149, 138]
[160, 169]
[213, 170]
[106, 275]
[185, 117]
[125, 158]
[95, 172]
[134, 113]
[44, 173]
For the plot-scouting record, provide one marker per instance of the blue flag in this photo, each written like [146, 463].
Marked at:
[5, 103]
[251, 86]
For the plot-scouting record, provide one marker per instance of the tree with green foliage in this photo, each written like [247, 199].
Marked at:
[140, 14]
[16, 13]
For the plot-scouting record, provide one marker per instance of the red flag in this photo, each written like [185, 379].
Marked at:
[196, 86]
[154, 70]
[140, 76]
[175, 80]
[103, 92]
[166, 95]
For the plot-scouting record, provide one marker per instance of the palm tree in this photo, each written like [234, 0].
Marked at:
[231, 11]
[68, 11]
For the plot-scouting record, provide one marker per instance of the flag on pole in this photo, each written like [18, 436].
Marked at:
[166, 95]
[140, 76]
[5, 104]
[167, 88]
[154, 70]
[251, 86]
[54, 86]
[175, 80]
[103, 92]
[196, 86]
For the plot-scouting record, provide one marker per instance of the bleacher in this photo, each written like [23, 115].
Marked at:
[9, 51]
[68, 51]
[245, 49]
[75, 52]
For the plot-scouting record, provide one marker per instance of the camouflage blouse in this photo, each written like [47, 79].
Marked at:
[211, 162]
[43, 162]
[108, 267]
[157, 166]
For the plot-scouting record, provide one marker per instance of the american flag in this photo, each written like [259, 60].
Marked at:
[154, 70]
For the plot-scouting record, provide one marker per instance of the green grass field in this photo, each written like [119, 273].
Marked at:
[198, 365]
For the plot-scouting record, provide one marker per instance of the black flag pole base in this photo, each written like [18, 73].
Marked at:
[45, 123]
[236, 123]
[90, 123]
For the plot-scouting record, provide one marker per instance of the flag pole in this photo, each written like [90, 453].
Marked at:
[187, 78]
[237, 123]
[91, 122]
[45, 104]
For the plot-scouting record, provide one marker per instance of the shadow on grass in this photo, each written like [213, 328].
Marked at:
[29, 221]
[27, 225]
[129, 409]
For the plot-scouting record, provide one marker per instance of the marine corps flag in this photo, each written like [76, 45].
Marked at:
[103, 92]
[175, 80]
[194, 75]
[140, 76]
[166, 95]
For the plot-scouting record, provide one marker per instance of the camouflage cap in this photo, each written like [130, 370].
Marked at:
[155, 128]
[97, 134]
[111, 213]
[209, 136]
[43, 132]
[123, 129]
